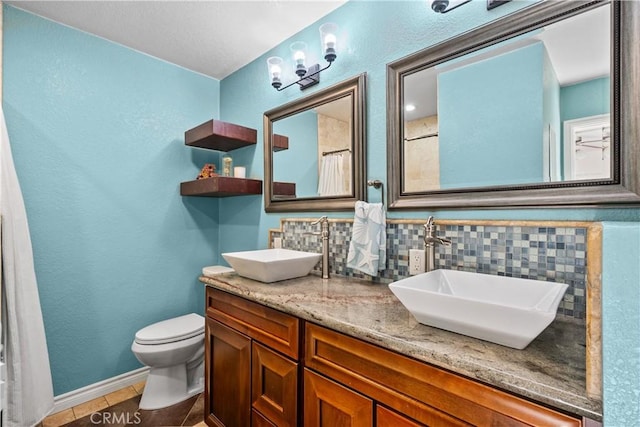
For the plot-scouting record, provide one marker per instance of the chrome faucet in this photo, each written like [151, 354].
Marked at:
[324, 226]
[430, 242]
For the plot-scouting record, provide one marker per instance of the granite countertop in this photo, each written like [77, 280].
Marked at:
[551, 370]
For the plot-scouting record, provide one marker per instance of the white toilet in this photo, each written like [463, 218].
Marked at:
[174, 351]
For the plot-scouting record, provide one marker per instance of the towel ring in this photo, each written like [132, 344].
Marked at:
[377, 184]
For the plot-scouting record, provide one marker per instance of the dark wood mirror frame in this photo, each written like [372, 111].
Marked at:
[623, 190]
[354, 87]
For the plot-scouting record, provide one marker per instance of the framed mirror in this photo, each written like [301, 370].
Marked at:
[314, 156]
[538, 108]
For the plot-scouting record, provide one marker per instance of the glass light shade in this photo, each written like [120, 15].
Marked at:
[329, 38]
[274, 65]
[298, 52]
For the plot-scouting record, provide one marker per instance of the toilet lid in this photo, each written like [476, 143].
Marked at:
[171, 330]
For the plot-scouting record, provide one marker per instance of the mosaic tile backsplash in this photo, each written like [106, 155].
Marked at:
[543, 253]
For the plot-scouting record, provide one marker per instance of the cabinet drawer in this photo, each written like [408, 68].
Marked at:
[271, 327]
[421, 391]
[274, 388]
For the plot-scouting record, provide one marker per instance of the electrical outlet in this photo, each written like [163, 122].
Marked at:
[277, 242]
[416, 261]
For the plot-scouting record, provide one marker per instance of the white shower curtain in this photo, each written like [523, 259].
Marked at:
[332, 179]
[29, 389]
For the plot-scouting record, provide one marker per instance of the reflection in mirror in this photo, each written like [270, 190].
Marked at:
[587, 148]
[538, 108]
[314, 150]
[497, 116]
[321, 136]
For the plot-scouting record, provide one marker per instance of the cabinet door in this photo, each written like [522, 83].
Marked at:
[228, 376]
[274, 386]
[258, 420]
[329, 404]
[388, 418]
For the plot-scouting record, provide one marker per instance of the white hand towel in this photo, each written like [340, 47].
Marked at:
[368, 246]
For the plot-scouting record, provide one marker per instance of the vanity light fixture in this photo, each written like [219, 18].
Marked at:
[491, 4]
[409, 107]
[307, 76]
[444, 6]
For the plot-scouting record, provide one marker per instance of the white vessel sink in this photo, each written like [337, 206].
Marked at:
[271, 265]
[503, 310]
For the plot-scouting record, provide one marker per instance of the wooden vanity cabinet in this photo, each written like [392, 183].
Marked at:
[274, 380]
[252, 368]
[227, 376]
[265, 368]
[329, 404]
[258, 420]
[388, 418]
[423, 393]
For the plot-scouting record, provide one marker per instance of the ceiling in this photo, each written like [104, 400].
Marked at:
[214, 38]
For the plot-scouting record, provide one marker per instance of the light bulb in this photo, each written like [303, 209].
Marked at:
[298, 49]
[330, 41]
[275, 71]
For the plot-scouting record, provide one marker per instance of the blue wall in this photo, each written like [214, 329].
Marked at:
[299, 163]
[368, 44]
[97, 133]
[551, 133]
[621, 326]
[585, 99]
[508, 112]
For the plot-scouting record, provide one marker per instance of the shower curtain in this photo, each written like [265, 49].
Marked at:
[28, 385]
[332, 174]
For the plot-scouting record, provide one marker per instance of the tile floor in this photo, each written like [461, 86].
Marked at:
[120, 408]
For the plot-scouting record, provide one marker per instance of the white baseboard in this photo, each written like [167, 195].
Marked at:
[93, 391]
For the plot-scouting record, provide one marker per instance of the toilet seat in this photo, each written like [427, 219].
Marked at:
[171, 330]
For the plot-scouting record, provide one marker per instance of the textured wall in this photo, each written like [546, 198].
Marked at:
[621, 323]
[299, 163]
[585, 99]
[551, 133]
[97, 133]
[502, 139]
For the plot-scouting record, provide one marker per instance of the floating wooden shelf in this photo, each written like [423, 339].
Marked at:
[280, 142]
[220, 136]
[287, 189]
[221, 186]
